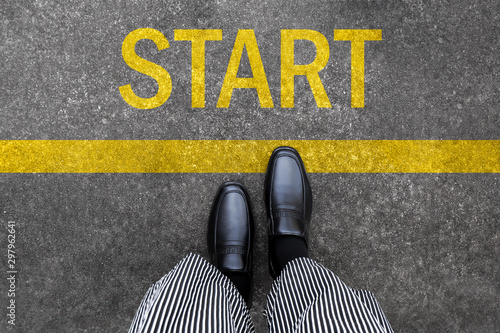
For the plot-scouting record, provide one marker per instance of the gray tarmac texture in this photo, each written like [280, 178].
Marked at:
[89, 245]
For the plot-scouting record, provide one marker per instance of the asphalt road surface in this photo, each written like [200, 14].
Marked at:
[89, 245]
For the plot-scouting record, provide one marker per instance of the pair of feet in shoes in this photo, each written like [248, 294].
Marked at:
[288, 200]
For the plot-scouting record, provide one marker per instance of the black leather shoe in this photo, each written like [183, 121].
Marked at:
[230, 231]
[288, 198]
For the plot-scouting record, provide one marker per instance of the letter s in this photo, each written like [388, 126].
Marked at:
[144, 66]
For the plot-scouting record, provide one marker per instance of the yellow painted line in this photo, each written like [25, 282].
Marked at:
[247, 156]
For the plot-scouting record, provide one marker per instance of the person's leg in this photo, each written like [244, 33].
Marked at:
[306, 297]
[197, 296]
[286, 248]
[193, 297]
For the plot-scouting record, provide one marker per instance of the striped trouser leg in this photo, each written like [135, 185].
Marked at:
[193, 297]
[307, 297]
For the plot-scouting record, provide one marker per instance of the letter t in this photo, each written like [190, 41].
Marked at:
[357, 38]
[197, 38]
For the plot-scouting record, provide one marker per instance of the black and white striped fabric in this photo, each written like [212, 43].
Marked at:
[193, 297]
[306, 297]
